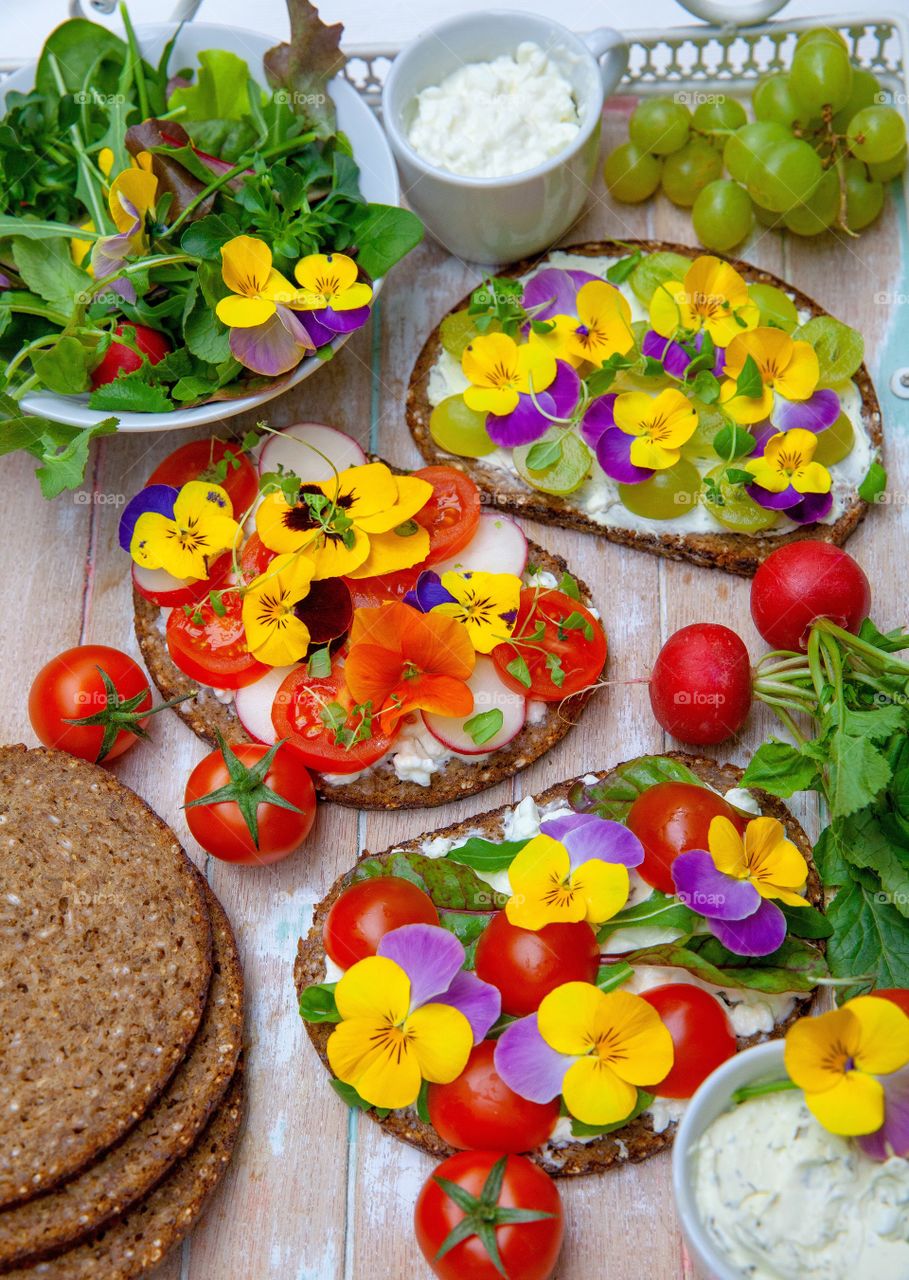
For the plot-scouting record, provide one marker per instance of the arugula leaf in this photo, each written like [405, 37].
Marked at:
[451, 885]
[806, 922]
[870, 941]
[659, 911]
[486, 855]
[317, 1003]
[614, 974]
[614, 796]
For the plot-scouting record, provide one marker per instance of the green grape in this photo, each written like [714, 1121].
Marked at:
[700, 445]
[660, 126]
[838, 348]
[876, 134]
[776, 308]
[821, 76]
[836, 442]
[751, 144]
[819, 211]
[736, 511]
[864, 199]
[773, 99]
[460, 328]
[631, 174]
[566, 474]
[460, 430]
[687, 172]
[785, 177]
[722, 215]
[655, 270]
[719, 117]
[768, 217]
[889, 169]
[666, 494]
[821, 35]
[866, 89]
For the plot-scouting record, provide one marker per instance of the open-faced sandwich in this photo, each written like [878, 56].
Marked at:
[692, 407]
[559, 977]
[411, 646]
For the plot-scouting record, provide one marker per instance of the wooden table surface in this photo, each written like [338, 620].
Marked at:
[316, 1192]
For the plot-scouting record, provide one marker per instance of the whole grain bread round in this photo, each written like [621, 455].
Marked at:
[136, 1242]
[105, 963]
[380, 788]
[736, 553]
[77, 1209]
[635, 1141]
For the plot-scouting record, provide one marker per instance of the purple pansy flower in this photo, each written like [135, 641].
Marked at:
[818, 412]
[743, 921]
[553, 291]
[673, 356]
[892, 1139]
[433, 960]
[428, 593]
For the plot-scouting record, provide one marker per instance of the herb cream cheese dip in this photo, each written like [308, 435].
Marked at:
[783, 1199]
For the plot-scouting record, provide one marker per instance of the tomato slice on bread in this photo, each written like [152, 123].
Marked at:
[210, 646]
[451, 515]
[557, 647]
[198, 460]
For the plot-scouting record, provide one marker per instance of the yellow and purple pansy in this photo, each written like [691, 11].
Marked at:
[408, 1014]
[647, 434]
[575, 869]
[676, 354]
[713, 298]
[734, 883]
[595, 1048]
[553, 291]
[330, 294]
[784, 372]
[266, 335]
[853, 1066]
[787, 479]
[131, 200]
[486, 603]
[598, 327]
[180, 531]
[519, 386]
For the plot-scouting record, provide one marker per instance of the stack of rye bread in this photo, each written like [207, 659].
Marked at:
[121, 1024]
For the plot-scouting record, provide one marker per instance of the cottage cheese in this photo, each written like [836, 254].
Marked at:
[493, 119]
[783, 1199]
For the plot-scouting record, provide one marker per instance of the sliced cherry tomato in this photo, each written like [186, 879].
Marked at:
[526, 964]
[360, 918]
[320, 718]
[451, 515]
[560, 659]
[255, 557]
[168, 592]
[211, 647]
[701, 1036]
[70, 687]
[372, 593]
[223, 830]
[528, 1250]
[478, 1110]
[197, 460]
[671, 818]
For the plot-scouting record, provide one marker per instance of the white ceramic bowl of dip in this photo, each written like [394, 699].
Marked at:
[761, 1064]
[499, 220]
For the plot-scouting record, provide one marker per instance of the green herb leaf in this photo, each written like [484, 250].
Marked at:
[577, 622]
[48, 269]
[468, 927]
[131, 393]
[520, 670]
[659, 911]
[483, 727]
[384, 234]
[581, 1130]
[870, 940]
[555, 669]
[874, 483]
[706, 386]
[407, 529]
[795, 966]
[319, 663]
[451, 885]
[422, 1103]
[569, 586]
[619, 272]
[347, 1093]
[317, 1003]
[858, 773]
[749, 383]
[733, 442]
[64, 367]
[486, 855]
[782, 770]
[806, 922]
[611, 976]
[546, 453]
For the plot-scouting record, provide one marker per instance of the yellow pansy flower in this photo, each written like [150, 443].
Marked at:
[274, 633]
[546, 888]
[330, 280]
[501, 370]
[661, 425]
[256, 288]
[713, 297]
[486, 603]
[602, 327]
[788, 370]
[763, 856]
[787, 462]
[201, 527]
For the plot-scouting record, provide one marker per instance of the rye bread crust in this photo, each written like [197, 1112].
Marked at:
[380, 788]
[736, 553]
[62, 1218]
[105, 964]
[637, 1140]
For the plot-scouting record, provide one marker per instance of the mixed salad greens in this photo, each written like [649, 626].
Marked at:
[120, 185]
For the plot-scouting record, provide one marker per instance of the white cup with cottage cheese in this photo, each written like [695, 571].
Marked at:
[494, 119]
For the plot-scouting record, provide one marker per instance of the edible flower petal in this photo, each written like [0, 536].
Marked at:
[585, 835]
[659, 426]
[265, 334]
[547, 888]
[201, 526]
[154, 497]
[553, 291]
[675, 357]
[788, 371]
[274, 633]
[328, 282]
[499, 371]
[433, 958]
[892, 1138]
[713, 297]
[601, 327]
[787, 479]
[485, 603]
[535, 414]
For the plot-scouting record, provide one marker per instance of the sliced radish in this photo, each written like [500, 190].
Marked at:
[498, 546]
[254, 702]
[300, 449]
[162, 588]
[489, 694]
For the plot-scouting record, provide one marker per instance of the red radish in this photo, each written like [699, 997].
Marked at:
[119, 358]
[801, 582]
[498, 546]
[489, 694]
[700, 687]
[289, 450]
[163, 589]
[253, 703]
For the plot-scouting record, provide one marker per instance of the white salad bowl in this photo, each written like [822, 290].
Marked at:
[761, 1064]
[499, 220]
[378, 183]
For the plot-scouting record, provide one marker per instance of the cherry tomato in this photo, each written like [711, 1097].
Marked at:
[255, 557]
[580, 648]
[803, 581]
[671, 818]
[700, 687]
[451, 515]
[211, 647]
[307, 709]
[197, 461]
[526, 964]
[360, 918]
[70, 687]
[528, 1249]
[221, 828]
[898, 995]
[701, 1036]
[478, 1110]
[119, 358]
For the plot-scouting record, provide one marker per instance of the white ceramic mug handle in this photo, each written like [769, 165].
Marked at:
[610, 48]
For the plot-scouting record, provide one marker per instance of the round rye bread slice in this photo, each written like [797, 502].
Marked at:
[735, 552]
[379, 787]
[105, 963]
[80, 1207]
[136, 1242]
[636, 1140]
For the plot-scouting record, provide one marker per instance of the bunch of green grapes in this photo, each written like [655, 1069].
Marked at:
[820, 147]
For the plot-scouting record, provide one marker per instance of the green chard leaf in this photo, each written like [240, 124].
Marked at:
[614, 796]
[659, 911]
[451, 885]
